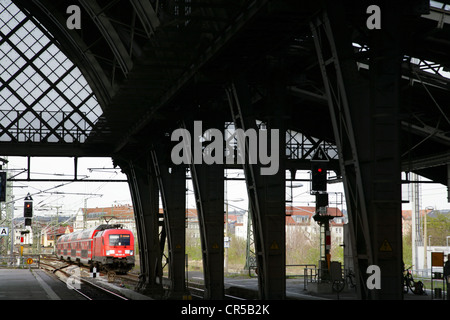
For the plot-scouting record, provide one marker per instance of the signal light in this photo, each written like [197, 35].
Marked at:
[319, 177]
[28, 209]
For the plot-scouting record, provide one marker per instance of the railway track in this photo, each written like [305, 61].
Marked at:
[92, 291]
[128, 280]
[75, 278]
[198, 294]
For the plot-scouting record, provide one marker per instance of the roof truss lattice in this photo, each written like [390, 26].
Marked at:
[43, 95]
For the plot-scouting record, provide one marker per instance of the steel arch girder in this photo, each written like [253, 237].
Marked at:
[266, 199]
[172, 185]
[208, 184]
[145, 196]
[369, 160]
[110, 34]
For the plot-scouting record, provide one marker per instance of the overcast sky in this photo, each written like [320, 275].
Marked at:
[70, 196]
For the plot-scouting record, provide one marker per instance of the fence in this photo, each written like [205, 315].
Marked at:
[306, 271]
[298, 270]
[17, 261]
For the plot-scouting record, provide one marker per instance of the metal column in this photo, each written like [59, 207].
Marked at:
[145, 196]
[266, 195]
[365, 123]
[208, 183]
[172, 185]
[331, 68]
[384, 168]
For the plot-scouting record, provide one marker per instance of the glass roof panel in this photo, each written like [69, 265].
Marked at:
[43, 95]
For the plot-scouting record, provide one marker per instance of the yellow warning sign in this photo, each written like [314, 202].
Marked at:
[386, 246]
[274, 246]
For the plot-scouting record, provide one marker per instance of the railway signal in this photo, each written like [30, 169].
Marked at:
[319, 163]
[318, 177]
[28, 210]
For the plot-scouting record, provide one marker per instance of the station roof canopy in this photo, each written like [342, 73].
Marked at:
[138, 66]
[44, 96]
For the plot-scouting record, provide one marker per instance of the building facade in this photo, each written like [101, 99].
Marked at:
[87, 218]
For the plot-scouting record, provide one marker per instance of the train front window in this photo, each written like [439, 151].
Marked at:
[119, 239]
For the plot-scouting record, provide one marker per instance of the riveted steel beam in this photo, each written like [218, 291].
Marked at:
[214, 46]
[145, 196]
[383, 171]
[336, 92]
[266, 195]
[208, 184]
[110, 34]
[147, 15]
[365, 117]
[172, 185]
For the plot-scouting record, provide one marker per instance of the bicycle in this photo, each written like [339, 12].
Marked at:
[408, 281]
[349, 280]
[416, 287]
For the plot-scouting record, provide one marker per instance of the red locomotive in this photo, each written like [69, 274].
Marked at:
[107, 247]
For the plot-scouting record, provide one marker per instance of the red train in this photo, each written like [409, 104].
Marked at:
[107, 247]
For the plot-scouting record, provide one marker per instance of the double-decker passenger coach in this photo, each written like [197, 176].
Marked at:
[107, 247]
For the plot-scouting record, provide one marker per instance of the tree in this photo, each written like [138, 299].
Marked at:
[407, 248]
[438, 227]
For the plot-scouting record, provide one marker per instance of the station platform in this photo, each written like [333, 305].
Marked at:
[37, 284]
[295, 290]
[33, 284]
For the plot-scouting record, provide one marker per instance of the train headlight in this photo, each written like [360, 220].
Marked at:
[130, 252]
[109, 252]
